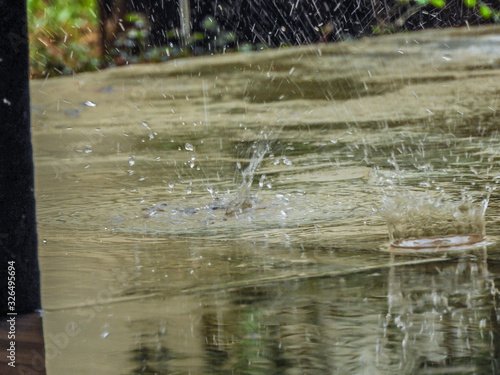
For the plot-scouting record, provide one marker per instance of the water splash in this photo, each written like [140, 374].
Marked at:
[221, 205]
[422, 220]
[243, 198]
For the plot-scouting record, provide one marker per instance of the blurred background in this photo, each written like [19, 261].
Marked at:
[70, 36]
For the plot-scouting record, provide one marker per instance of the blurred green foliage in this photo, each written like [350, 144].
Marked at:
[415, 6]
[63, 36]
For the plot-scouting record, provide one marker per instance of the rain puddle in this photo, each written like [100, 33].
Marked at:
[226, 215]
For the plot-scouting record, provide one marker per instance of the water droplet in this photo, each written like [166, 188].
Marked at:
[189, 147]
[261, 180]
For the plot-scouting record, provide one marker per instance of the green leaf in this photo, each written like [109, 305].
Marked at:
[438, 3]
[210, 23]
[485, 11]
[197, 36]
[470, 3]
[174, 33]
[132, 17]
[64, 15]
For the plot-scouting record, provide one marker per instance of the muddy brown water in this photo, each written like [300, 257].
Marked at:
[145, 269]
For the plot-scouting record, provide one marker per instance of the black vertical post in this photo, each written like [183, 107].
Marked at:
[18, 238]
[21, 330]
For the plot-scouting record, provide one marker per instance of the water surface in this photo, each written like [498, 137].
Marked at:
[165, 248]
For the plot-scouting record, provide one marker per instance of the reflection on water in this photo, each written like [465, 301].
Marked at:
[427, 318]
[224, 215]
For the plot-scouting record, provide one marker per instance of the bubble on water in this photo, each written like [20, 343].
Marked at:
[151, 134]
[189, 147]
[191, 162]
[131, 160]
